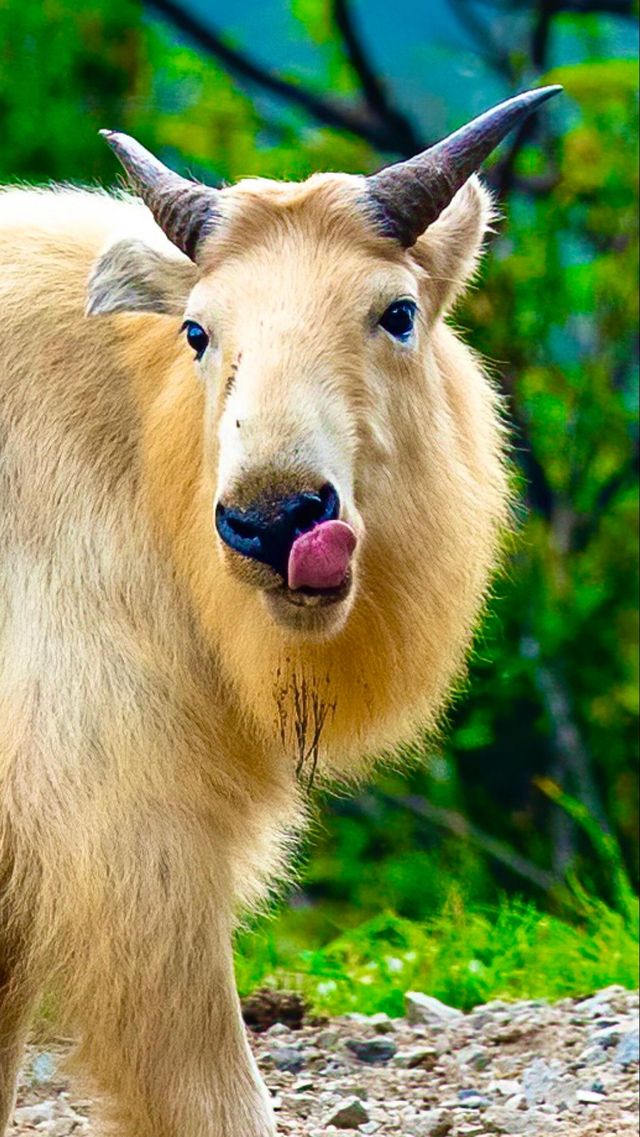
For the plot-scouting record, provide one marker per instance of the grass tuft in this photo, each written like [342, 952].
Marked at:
[464, 955]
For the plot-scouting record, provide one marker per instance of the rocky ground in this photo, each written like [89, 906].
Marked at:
[526, 1068]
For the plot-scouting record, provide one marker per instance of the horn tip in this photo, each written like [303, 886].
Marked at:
[549, 92]
[111, 137]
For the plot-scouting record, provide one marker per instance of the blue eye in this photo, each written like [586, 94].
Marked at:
[197, 338]
[398, 319]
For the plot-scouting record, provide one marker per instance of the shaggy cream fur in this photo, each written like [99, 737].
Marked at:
[157, 715]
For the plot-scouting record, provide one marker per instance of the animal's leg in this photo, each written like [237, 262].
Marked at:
[178, 1063]
[16, 1005]
[161, 1033]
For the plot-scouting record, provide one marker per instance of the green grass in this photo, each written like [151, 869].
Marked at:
[464, 955]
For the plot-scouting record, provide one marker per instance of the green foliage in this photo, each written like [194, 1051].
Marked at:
[464, 956]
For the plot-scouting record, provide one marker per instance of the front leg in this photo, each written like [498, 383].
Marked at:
[17, 997]
[156, 1007]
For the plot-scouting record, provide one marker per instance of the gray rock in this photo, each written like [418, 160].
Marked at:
[539, 1079]
[503, 1119]
[608, 1037]
[473, 1099]
[506, 1087]
[375, 1051]
[628, 1051]
[36, 1114]
[287, 1058]
[423, 1056]
[477, 1057]
[588, 1097]
[42, 1068]
[277, 1030]
[434, 1123]
[349, 1113]
[420, 1008]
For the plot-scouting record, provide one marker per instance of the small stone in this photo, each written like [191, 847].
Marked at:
[420, 1008]
[434, 1123]
[518, 1101]
[370, 1127]
[277, 1030]
[588, 1097]
[473, 1099]
[424, 1057]
[63, 1127]
[302, 1085]
[538, 1080]
[381, 1023]
[349, 1113]
[35, 1114]
[506, 1087]
[287, 1058]
[477, 1057]
[375, 1051]
[628, 1051]
[502, 1119]
[595, 1005]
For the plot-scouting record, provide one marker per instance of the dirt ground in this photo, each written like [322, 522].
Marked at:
[526, 1068]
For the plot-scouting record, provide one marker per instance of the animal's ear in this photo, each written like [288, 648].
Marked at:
[450, 248]
[130, 276]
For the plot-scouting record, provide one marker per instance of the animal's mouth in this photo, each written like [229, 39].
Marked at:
[310, 610]
[315, 597]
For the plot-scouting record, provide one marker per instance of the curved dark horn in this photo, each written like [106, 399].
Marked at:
[409, 196]
[184, 210]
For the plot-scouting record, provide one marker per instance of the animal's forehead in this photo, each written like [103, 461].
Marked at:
[327, 213]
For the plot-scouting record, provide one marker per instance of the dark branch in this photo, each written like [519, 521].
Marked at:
[340, 116]
[457, 824]
[574, 762]
[373, 90]
[492, 51]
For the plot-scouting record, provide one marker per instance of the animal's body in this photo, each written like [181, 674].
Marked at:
[161, 693]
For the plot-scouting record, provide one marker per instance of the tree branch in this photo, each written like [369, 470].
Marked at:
[328, 112]
[457, 824]
[374, 92]
[566, 739]
[492, 51]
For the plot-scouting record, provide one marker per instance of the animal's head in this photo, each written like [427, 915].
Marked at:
[341, 459]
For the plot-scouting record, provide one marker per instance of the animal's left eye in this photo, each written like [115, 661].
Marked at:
[197, 338]
[398, 319]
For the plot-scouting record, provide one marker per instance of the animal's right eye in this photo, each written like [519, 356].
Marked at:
[197, 338]
[399, 318]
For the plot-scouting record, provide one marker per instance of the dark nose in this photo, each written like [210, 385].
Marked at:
[266, 530]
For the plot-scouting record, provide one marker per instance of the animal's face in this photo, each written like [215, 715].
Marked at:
[309, 335]
[302, 337]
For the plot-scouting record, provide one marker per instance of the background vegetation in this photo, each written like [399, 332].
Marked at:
[504, 860]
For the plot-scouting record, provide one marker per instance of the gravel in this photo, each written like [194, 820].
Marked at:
[531, 1069]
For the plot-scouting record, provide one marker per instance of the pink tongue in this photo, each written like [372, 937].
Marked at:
[320, 558]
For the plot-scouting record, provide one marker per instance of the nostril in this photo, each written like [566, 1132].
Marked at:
[330, 503]
[304, 511]
[266, 533]
[308, 509]
[239, 533]
[243, 528]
